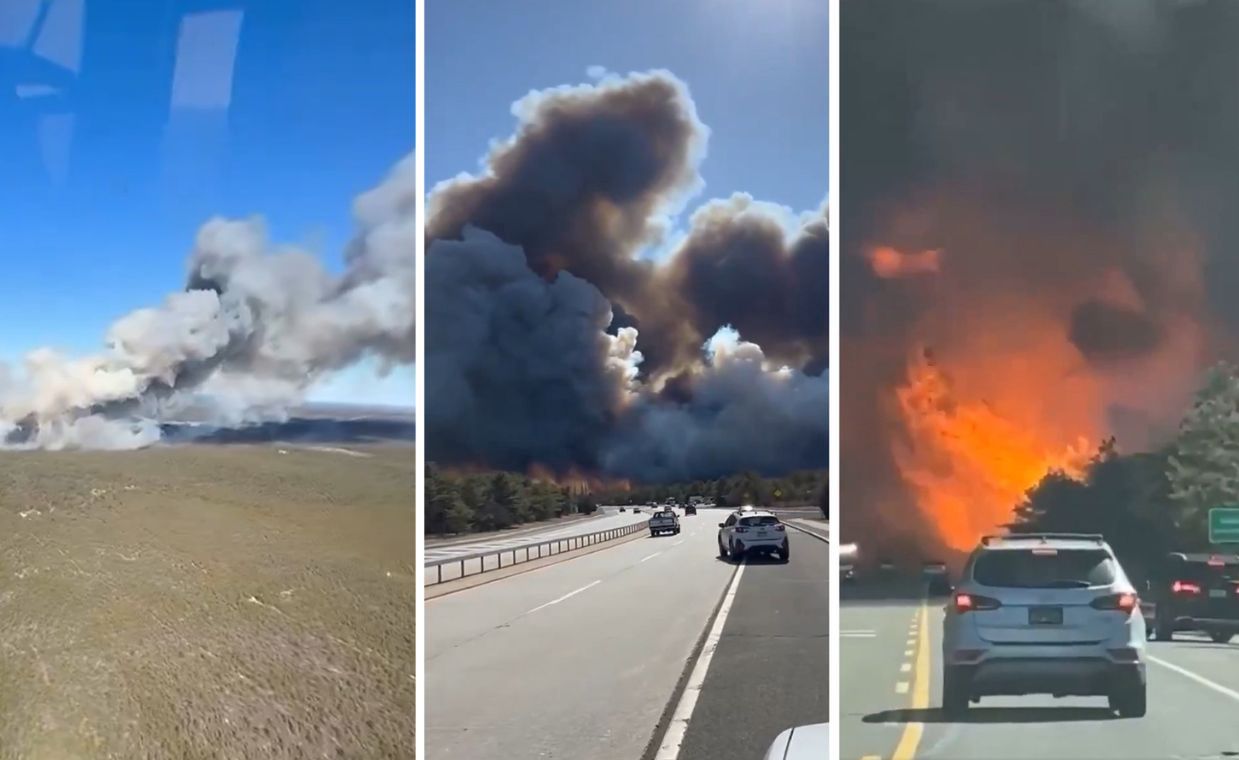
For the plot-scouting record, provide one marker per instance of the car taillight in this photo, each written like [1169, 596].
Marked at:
[779, 528]
[1118, 602]
[1185, 587]
[972, 602]
[741, 529]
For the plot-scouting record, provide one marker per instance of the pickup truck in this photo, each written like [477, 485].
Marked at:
[665, 521]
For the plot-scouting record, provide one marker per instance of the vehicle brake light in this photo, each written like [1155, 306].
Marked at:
[971, 602]
[741, 529]
[1045, 552]
[1185, 587]
[779, 528]
[1120, 602]
[1217, 562]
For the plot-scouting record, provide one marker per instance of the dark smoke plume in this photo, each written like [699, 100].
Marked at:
[1074, 163]
[555, 339]
[255, 326]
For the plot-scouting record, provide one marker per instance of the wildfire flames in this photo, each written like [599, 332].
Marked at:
[997, 392]
[966, 462]
[577, 482]
[1037, 249]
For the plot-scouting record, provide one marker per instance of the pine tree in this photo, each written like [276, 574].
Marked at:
[1204, 468]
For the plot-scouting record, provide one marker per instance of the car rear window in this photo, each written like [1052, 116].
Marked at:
[762, 520]
[1202, 572]
[1062, 568]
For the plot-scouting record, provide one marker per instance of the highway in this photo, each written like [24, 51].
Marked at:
[611, 517]
[591, 656]
[890, 691]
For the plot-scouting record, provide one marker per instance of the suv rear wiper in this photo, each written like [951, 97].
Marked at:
[1066, 583]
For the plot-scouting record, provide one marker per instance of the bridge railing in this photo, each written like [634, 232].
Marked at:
[467, 565]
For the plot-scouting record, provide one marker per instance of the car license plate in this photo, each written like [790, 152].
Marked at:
[1045, 616]
[1217, 593]
[761, 533]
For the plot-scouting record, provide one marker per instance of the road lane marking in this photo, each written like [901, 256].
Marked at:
[1219, 688]
[568, 595]
[905, 668]
[858, 634]
[677, 729]
[912, 731]
[901, 687]
[652, 556]
[871, 757]
[907, 653]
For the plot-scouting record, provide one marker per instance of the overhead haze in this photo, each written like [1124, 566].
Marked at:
[555, 338]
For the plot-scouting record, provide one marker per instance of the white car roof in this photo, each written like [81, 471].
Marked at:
[1024, 542]
[802, 743]
[750, 512]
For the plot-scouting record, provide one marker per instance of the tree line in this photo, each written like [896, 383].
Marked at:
[474, 502]
[1151, 503]
[459, 502]
[804, 488]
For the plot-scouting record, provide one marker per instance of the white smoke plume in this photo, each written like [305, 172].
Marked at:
[255, 326]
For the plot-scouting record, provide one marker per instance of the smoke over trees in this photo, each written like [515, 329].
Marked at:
[554, 338]
[254, 327]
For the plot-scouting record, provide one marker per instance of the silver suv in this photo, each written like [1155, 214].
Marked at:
[1044, 613]
[752, 530]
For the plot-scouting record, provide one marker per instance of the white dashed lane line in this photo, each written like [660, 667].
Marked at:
[568, 595]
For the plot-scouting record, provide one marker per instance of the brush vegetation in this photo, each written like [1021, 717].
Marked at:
[207, 601]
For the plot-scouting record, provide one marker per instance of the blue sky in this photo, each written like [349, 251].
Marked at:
[287, 109]
[757, 72]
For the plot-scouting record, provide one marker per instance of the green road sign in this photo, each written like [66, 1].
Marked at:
[1224, 525]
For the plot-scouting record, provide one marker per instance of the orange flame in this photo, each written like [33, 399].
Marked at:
[575, 481]
[967, 463]
[890, 263]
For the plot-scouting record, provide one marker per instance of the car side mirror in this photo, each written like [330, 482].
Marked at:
[720, 525]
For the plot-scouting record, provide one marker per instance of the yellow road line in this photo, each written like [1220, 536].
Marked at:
[912, 731]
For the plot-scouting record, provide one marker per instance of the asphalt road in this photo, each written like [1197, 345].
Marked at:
[886, 713]
[585, 658]
[770, 670]
[506, 540]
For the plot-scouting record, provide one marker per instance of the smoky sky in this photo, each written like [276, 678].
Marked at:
[1050, 151]
[256, 324]
[568, 320]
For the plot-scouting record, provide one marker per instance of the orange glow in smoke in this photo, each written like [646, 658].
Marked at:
[890, 263]
[576, 481]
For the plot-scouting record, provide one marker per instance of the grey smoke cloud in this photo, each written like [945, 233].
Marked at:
[255, 326]
[554, 339]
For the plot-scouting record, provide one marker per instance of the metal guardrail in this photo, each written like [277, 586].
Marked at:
[523, 553]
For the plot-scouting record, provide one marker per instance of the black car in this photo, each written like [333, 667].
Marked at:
[690, 509]
[936, 578]
[1196, 592]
